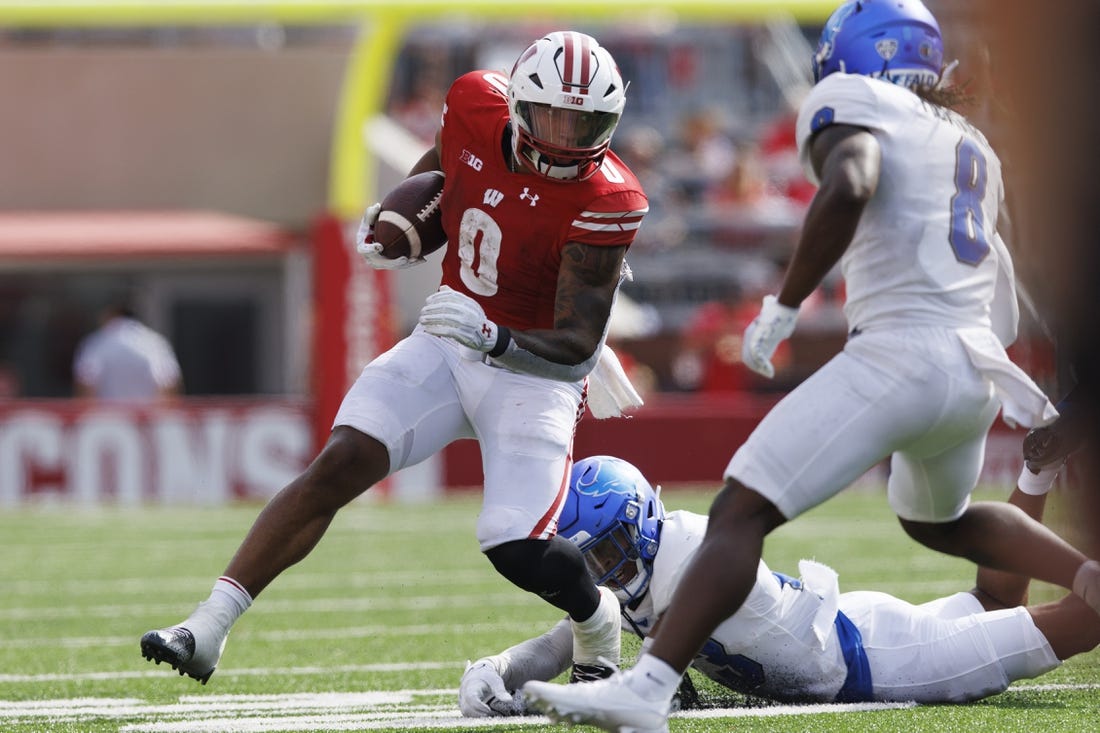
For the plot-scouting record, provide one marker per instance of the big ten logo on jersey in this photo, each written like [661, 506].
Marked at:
[471, 160]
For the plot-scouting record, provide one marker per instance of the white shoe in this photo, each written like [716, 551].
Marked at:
[609, 704]
[598, 640]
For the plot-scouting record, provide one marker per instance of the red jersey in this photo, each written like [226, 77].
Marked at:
[506, 230]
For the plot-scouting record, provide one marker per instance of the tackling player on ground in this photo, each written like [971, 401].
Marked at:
[539, 214]
[797, 640]
[908, 204]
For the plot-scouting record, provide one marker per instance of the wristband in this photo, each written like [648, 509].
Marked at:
[1038, 484]
[504, 337]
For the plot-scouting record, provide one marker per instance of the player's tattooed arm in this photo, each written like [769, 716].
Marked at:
[587, 281]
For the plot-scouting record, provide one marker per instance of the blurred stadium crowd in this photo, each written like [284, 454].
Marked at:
[709, 130]
[153, 120]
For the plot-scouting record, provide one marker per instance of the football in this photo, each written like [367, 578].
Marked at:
[410, 223]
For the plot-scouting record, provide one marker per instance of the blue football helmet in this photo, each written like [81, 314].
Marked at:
[614, 516]
[894, 40]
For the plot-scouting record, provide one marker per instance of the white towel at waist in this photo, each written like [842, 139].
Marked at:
[1022, 402]
[610, 392]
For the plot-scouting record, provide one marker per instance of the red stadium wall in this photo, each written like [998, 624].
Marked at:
[207, 451]
[673, 439]
[193, 452]
[690, 438]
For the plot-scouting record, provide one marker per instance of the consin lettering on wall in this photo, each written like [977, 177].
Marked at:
[207, 453]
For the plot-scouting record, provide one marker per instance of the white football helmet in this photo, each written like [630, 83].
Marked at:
[565, 97]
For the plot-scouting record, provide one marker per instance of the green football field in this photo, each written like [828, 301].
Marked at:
[372, 631]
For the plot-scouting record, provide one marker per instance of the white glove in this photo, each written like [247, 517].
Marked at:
[482, 693]
[774, 324]
[450, 314]
[372, 251]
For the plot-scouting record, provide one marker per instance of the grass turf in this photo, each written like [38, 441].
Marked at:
[372, 630]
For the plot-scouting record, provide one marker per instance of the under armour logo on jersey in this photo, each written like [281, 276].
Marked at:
[534, 197]
[471, 160]
[486, 330]
[492, 197]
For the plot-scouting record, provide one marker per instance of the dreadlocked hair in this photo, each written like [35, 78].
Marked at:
[951, 96]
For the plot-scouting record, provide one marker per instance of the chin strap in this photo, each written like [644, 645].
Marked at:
[557, 172]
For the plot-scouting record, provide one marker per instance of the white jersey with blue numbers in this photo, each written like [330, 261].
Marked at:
[782, 642]
[803, 640]
[926, 251]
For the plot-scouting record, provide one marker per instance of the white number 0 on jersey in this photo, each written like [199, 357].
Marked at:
[477, 224]
[479, 237]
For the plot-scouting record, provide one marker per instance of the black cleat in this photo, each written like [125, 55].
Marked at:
[175, 645]
[589, 672]
[686, 697]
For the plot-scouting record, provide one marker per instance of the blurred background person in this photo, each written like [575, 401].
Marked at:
[779, 152]
[9, 381]
[124, 359]
[746, 188]
[705, 152]
[642, 147]
[709, 358]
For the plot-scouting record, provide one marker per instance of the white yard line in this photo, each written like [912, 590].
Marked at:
[329, 711]
[394, 710]
[404, 721]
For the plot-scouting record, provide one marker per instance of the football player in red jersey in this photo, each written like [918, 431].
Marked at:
[539, 214]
